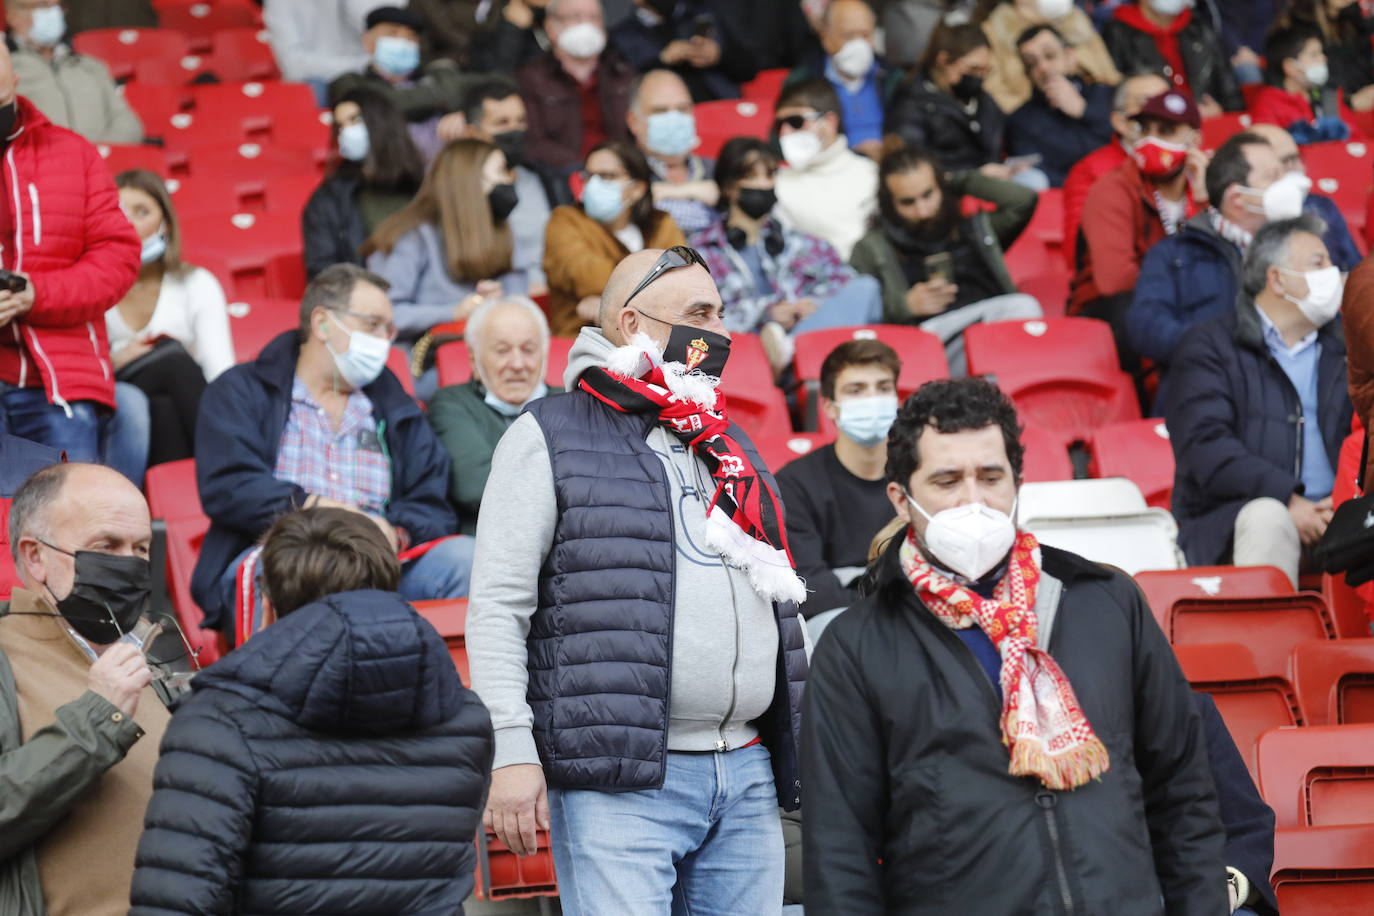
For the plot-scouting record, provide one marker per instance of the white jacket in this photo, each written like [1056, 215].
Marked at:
[831, 198]
[191, 310]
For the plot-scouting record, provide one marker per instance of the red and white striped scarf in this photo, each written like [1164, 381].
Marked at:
[1043, 727]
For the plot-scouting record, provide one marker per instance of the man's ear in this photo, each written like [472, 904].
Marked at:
[30, 559]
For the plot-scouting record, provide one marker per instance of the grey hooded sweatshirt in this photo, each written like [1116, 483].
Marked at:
[725, 637]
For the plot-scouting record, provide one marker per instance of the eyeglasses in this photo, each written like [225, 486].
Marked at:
[672, 259]
[372, 324]
[798, 121]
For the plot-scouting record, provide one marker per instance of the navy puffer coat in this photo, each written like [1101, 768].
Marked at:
[333, 764]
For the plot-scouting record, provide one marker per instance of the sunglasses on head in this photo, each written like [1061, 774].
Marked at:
[672, 259]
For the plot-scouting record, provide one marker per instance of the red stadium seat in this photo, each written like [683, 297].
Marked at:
[289, 193]
[165, 71]
[1037, 272]
[254, 324]
[249, 164]
[196, 197]
[9, 576]
[1047, 223]
[199, 21]
[241, 246]
[122, 158]
[1324, 871]
[752, 399]
[173, 498]
[1140, 451]
[1061, 372]
[285, 275]
[242, 54]
[1319, 776]
[1335, 681]
[765, 87]
[801, 444]
[922, 355]
[1342, 171]
[1251, 699]
[122, 50]
[1046, 457]
[718, 122]
[256, 104]
[450, 618]
[1269, 627]
[1163, 587]
[399, 364]
[1217, 130]
[155, 105]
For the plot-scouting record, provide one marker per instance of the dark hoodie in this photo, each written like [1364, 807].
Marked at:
[333, 764]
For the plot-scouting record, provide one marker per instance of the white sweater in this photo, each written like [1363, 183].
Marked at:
[831, 198]
[191, 310]
[317, 39]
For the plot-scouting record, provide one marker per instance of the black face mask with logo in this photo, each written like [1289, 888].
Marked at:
[700, 350]
[109, 594]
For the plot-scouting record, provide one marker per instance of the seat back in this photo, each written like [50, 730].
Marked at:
[719, 121]
[121, 158]
[174, 499]
[239, 246]
[1270, 627]
[449, 617]
[1335, 681]
[765, 87]
[1163, 587]
[1046, 457]
[921, 352]
[254, 323]
[9, 575]
[1139, 450]
[1341, 171]
[1251, 700]
[1318, 776]
[242, 54]
[121, 50]
[752, 399]
[199, 21]
[1324, 871]
[1218, 129]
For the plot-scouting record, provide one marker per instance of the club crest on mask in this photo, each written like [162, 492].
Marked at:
[697, 351]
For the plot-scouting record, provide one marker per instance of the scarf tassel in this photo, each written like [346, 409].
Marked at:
[1069, 770]
[770, 570]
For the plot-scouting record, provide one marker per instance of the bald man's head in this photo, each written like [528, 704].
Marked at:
[624, 279]
[683, 295]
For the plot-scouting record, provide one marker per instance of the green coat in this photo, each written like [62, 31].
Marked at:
[438, 90]
[40, 779]
[991, 233]
[469, 430]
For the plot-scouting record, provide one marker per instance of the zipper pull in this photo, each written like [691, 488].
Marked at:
[721, 745]
[1046, 799]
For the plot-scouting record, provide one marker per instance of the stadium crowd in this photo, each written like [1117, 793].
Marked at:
[543, 355]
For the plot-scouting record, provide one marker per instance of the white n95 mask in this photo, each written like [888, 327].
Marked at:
[970, 539]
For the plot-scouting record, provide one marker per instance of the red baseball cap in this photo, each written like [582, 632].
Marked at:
[1172, 106]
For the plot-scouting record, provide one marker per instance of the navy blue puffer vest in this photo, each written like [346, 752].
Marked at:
[600, 644]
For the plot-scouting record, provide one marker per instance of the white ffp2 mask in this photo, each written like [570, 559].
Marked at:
[970, 539]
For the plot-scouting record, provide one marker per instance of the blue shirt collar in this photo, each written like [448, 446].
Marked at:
[1274, 340]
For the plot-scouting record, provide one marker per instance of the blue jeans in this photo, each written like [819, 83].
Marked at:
[124, 439]
[860, 301]
[709, 843]
[27, 413]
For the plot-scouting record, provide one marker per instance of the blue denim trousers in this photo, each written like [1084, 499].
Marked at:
[709, 843]
[28, 414]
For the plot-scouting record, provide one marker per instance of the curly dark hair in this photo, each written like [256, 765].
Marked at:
[951, 406]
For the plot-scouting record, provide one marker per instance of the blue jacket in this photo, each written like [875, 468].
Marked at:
[238, 433]
[333, 764]
[599, 645]
[1236, 423]
[1339, 243]
[1060, 140]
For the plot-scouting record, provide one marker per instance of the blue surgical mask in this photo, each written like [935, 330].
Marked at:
[396, 56]
[513, 410]
[672, 133]
[154, 247]
[603, 200]
[866, 420]
[49, 25]
[364, 359]
[354, 142]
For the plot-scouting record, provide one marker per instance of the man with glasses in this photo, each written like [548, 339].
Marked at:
[633, 628]
[318, 420]
[79, 724]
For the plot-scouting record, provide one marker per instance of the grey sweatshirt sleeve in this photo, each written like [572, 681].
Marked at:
[514, 534]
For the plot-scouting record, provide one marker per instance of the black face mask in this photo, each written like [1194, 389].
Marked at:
[109, 594]
[503, 200]
[663, 7]
[7, 115]
[967, 87]
[756, 202]
[698, 349]
[512, 144]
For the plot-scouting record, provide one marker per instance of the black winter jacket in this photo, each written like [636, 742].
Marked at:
[1206, 65]
[909, 806]
[332, 227]
[936, 121]
[333, 764]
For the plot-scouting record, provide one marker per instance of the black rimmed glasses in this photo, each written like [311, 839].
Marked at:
[672, 259]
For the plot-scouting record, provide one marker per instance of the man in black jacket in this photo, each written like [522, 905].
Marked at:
[949, 713]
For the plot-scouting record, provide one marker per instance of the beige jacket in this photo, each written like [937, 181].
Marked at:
[77, 92]
[1008, 84]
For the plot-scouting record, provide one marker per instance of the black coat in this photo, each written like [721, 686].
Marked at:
[1235, 422]
[1206, 65]
[936, 121]
[908, 804]
[332, 226]
[333, 764]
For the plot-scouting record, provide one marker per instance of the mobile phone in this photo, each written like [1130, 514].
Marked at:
[1021, 163]
[940, 266]
[703, 26]
[12, 282]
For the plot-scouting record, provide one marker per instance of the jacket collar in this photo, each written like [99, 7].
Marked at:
[275, 367]
[1249, 330]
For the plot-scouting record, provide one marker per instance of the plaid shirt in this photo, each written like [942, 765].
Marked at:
[348, 464]
[690, 215]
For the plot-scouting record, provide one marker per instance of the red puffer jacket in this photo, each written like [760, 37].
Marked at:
[79, 251]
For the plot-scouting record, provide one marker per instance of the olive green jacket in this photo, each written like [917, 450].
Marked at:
[40, 779]
[990, 232]
[438, 89]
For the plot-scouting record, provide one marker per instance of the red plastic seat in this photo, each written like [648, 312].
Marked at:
[1251, 699]
[1335, 681]
[719, 121]
[1046, 457]
[254, 324]
[242, 54]
[166, 71]
[1342, 171]
[1062, 373]
[257, 103]
[1319, 776]
[290, 193]
[1047, 223]
[155, 105]
[799, 445]
[1269, 627]
[922, 355]
[399, 364]
[1138, 450]
[1163, 587]
[249, 164]
[765, 87]
[121, 50]
[9, 575]
[285, 275]
[174, 498]
[121, 158]
[1324, 871]
[752, 399]
[502, 875]
[1036, 271]
[449, 617]
[196, 197]
[240, 245]
[1217, 130]
[199, 20]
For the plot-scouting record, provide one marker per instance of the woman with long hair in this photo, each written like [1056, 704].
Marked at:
[169, 335]
[585, 241]
[375, 171]
[450, 247]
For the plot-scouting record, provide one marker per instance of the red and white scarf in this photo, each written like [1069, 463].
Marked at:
[744, 519]
[1043, 727]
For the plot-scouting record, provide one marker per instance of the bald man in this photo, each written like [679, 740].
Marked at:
[849, 62]
[79, 724]
[662, 121]
[1339, 243]
[633, 625]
